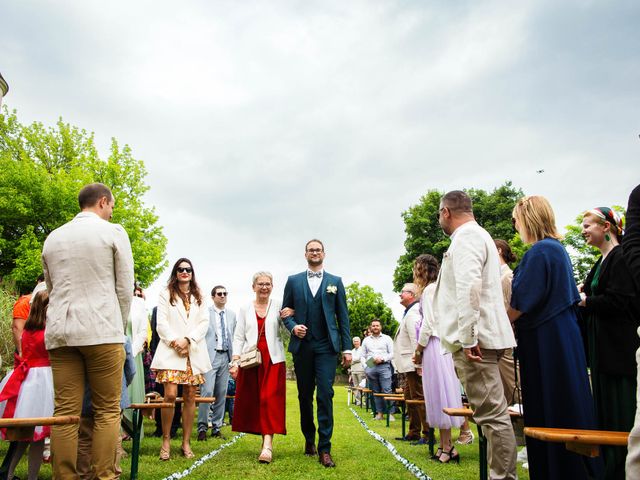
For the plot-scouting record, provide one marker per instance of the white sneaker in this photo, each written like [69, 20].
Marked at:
[522, 455]
[392, 418]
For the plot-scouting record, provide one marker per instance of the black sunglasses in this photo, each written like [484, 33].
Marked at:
[184, 269]
[222, 294]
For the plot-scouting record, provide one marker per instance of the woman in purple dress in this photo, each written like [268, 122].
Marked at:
[439, 381]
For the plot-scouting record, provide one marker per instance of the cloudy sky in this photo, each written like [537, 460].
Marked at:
[265, 123]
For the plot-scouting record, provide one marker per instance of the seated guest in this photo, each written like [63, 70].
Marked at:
[181, 357]
[377, 353]
[555, 384]
[260, 390]
[610, 308]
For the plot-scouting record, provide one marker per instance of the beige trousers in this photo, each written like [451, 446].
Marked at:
[83, 465]
[508, 376]
[632, 467]
[101, 366]
[483, 386]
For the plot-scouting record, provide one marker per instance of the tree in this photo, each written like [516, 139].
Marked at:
[424, 235]
[365, 304]
[41, 172]
[583, 256]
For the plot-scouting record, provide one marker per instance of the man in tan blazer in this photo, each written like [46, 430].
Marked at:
[88, 267]
[404, 344]
[473, 324]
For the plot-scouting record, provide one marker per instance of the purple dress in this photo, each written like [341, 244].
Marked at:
[439, 381]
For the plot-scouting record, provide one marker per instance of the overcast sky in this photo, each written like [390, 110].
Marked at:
[265, 123]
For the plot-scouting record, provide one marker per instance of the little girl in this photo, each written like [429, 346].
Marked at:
[27, 391]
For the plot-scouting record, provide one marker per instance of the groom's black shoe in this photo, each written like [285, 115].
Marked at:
[310, 449]
[325, 459]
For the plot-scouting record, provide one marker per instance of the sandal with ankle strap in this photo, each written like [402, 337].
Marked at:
[266, 455]
[187, 453]
[164, 454]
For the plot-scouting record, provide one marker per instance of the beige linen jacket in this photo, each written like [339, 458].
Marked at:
[468, 304]
[88, 268]
[405, 340]
[173, 324]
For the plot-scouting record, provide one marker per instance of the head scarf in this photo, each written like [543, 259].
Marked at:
[606, 214]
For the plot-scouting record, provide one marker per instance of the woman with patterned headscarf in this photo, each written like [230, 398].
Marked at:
[612, 314]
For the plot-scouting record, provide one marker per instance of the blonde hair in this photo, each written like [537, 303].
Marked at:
[535, 216]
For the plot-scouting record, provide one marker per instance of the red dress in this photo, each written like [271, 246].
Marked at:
[261, 395]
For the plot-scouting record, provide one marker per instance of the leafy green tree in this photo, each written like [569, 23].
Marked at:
[583, 256]
[424, 235]
[42, 169]
[365, 304]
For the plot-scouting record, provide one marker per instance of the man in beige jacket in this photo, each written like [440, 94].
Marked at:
[88, 268]
[473, 324]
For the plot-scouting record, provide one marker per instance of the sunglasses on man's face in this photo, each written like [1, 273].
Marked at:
[221, 294]
[184, 270]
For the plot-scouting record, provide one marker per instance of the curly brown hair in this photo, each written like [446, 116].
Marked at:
[174, 290]
[425, 270]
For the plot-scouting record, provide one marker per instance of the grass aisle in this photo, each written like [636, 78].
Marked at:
[357, 454]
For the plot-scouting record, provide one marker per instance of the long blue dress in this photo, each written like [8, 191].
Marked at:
[555, 384]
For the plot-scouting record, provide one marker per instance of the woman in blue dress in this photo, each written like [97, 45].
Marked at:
[555, 384]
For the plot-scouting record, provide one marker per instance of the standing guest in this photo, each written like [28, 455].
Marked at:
[440, 384]
[631, 254]
[86, 326]
[555, 384]
[137, 334]
[230, 401]
[507, 362]
[610, 307]
[27, 391]
[181, 357]
[472, 323]
[357, 369]
[319, 332]
[260, 391]
[377, 353]
[405, 343]
[21, 312]
[222, 323]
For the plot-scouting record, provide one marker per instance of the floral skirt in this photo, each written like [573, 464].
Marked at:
[180, 377]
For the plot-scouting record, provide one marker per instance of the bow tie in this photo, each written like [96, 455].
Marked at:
[311, 274]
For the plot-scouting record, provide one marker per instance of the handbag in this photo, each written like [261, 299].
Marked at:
[253, 358]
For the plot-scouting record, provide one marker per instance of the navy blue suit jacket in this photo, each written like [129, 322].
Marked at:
[334, 306]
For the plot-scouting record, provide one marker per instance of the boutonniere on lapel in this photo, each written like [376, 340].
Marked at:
[332, 289]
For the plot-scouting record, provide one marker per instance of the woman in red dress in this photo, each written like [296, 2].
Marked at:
[260, 391]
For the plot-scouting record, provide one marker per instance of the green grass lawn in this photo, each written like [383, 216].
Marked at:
[356, 453]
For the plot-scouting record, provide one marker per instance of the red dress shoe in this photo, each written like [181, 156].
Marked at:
[310, 449]
[325, 459]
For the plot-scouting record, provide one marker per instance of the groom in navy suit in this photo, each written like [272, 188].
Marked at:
[319, 331]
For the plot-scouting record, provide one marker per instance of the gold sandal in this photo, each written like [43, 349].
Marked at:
[164, 454]
[187, 453]
[266, 455]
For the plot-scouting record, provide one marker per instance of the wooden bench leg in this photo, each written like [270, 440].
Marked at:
[135, 447]
[432, 440]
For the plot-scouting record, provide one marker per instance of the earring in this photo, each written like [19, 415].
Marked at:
[607, 237]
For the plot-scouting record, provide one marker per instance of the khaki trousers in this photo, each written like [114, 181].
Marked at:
[632, 466]
[508, 376]
[417, 413]
[83, 465]
[101, 366]
[483, 386]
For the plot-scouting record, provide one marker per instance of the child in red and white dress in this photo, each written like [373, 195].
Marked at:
[27, 390]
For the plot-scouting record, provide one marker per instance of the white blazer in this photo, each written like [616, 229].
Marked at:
[406, 340]
[468, 305]
[427, 329]
[139, 324]
[246, 333]
[173, 324]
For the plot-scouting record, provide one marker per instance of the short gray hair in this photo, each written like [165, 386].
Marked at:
[261, 274]
[411, 287]
[355, 338]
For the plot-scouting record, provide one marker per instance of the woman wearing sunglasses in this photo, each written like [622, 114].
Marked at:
[181, 357]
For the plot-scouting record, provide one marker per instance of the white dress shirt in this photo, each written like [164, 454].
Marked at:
[314, 283]
[218, 328]
[377, 346]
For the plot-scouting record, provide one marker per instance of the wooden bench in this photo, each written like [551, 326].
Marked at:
[584, 442]
[482, 440]
[22, 428]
